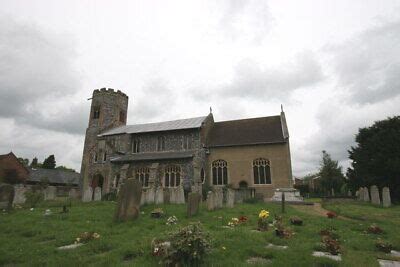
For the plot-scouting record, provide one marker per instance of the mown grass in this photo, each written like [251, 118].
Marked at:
[29, 238]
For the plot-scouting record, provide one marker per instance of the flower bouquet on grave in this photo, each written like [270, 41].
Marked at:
[331, 214]
[172, 220]
[157, 213]
[263, 220]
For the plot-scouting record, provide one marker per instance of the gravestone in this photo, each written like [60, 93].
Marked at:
[128, 204]
[150, 196]
[19, 197]
[193, 204]
[167, 196]
[375, 195]
[7, 193]
[180, 195]
[88, 194]
[172, 195]
[73, 193]
[210, 200]
[97, 194]
[50, 192]
[230, 198]
[366, 194]
[386, 201]
[159, 198]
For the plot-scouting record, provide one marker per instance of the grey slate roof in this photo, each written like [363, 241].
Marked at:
[190, 123]
[54, 176]
[148, 156]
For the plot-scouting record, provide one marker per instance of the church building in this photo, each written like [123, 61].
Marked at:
[185, 154]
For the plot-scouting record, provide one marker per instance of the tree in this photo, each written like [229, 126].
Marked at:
[331, 174]
[34, 163]
[25, 162]
[49, 162]
[376, 157]
[65, 168]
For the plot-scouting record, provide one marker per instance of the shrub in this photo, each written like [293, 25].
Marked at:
[295, 220]
[331, 214]
[374, 229]
[110, 196]
[330, 245]
[383, 246]
[186, 246]
[33, 198]
[280, 230]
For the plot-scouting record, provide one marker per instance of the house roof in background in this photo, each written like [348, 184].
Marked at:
[189, 123]
[264, 130]
[54, 176]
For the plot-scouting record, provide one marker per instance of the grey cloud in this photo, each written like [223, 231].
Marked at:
[252, 81]
[36, 74]
[368, 66]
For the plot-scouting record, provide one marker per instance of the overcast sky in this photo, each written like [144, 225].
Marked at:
[334, 65]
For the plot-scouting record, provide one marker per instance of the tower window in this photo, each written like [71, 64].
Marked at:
[105, 156]
[220, 172]
[96, 113]
[122, 116]
[172, 176]
[262, 172]
[143, 175]
[187, 142]
[95, 157]
[202, 176]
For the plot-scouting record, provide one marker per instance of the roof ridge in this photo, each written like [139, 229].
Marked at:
[247, 119]
[147, 123]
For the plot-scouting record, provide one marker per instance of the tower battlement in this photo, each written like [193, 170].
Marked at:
[109, 91]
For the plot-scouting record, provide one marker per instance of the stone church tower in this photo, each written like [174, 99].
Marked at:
[108, 110]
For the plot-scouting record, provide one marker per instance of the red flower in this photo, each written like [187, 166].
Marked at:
[331, 214]
[243, 219]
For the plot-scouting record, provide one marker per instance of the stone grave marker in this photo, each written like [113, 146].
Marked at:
[6, 196]
[159, 198]
[230, 198]
[386, 201]
[366, 194]
[210, 200]
[193, 204]
[128, 205]
[375, 195]
[97, 194]
[87, 195]
[180, 195]
[50, 192]
[360, 194]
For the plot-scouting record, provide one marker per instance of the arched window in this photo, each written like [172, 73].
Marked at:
[220, 172]
[172, 176]
[202, 176]
[95, 157]
[135, 145]
[161, 143]
[143, 174]
[261, 170]
[96, 112]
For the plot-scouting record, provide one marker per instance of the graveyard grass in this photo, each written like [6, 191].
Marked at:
[30, 238]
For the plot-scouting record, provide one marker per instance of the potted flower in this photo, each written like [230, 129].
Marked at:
[263, 220]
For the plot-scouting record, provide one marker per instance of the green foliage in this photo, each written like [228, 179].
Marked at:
[331, 174]
[188, 245]
[376, 157]
[44, 182]
[33, 198]
[49, 162]
[65, 168]
[110, 196]
[25, 162]
[34, 163]
[205, 189]
[251, 200]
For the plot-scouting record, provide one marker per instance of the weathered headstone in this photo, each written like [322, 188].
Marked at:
[193, 204]
[375, 195]
[150, 196]
[386, 201]
[97, 194]
[129, 200]
[6, 196]
[230, 198]
[73, 193]
[88, 194]
[50, 192]
[358, 195]
[366, 194]
[167, 196]
[180, 196]
[159, 198]
[210, 200]
[19, 197]
[220, 202]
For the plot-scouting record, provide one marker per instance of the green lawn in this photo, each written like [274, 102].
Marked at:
[30, 238]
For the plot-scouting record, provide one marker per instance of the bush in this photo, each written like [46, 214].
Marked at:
[186, 246]
[33, 198]
[383, 246]
[252, 200]
[110, 196]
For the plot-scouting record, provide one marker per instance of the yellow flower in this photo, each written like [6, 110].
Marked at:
[263, 214]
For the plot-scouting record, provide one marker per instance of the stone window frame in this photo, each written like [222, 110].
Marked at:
[172, 173]
[104, 156]
[161, 143]
[96, 112]
[143, 175]
[187, 142]
[202, 175]
[219, 172]
[261, 170]
[135, 145]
